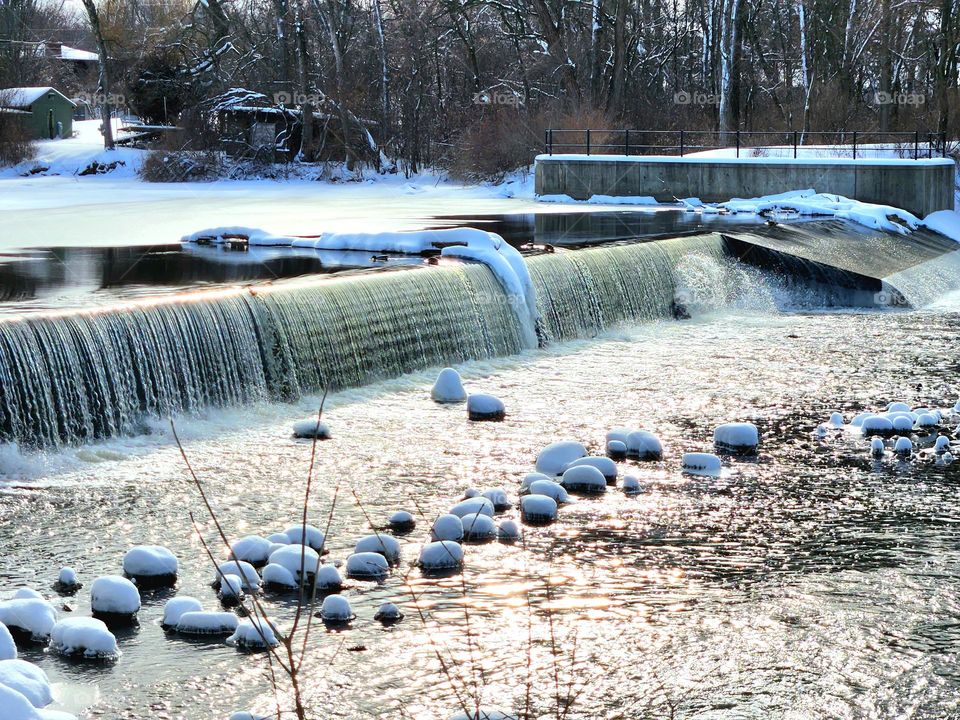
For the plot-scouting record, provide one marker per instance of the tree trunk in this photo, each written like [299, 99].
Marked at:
[308, 150]
[104, 90]
[886, 66]
[946, 44]
[729, 51]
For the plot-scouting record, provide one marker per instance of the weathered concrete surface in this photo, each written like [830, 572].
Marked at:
[918, 186]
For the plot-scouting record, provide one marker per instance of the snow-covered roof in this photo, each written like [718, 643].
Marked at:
[69, 53]
[22, 98]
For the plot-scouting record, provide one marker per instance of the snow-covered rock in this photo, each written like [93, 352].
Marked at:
[231, 589]
[697, 463]
[244, 570]
[448, 388]
[67, 581]
[877, 448]
[28, 680]
[336, 609]
[551, 489]
[88, 637]
[441, 555]
[447, 527]
[150, 565]
[479, 528]
[508, 531]
[253, 549]
[470, 492]
[942, 444]
[616, 450]
[927, 421]
[556, 456]
[200, 622]
[903, 447]
[31, 617]
[644, 445]
[8, 648]
[859, 418]
[254, 633]
[244, 715]
[174, 609]
[498, 496]
[114, 595]
[388, 613]
[902, 423]
[836, 420]
[278, 577]
[605, 465]
[386, 545]
[631, 485]
[296, 558]
[898, 407]
[531, 478]
[739, 438]
[474, 506]
[314, 536]
[367, 566]
[821, 431]
[877, 425]
[485, 407]
[25, 593]
[328, 578]
[584, 479]
[537, 509]
[483, 714]
[279, 539]
[310, 429]
[402, 521]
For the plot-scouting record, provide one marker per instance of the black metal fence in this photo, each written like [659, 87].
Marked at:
[853, 144]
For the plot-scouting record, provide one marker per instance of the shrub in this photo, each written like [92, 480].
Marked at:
[16, 143]
[180, 166]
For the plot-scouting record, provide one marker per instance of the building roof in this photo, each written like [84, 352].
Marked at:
[69, 53]
[22, 98]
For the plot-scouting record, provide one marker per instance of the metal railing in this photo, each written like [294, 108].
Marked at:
[856, 144]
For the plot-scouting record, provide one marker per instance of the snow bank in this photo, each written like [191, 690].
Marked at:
[701, 464]
[8, 648]
[945, 222]
[474, 506]
[441, 555]
[485, 407]
[447, 527]
[254, 633]
[29, 616]
[207, 623]
[448, 388]
[539, 508]
[809, 202]
[584, 479]
[175, 608]
[385, 545]
[479, 528]
[149, 561]
[556, 456]
[336, 609]
[738, 438]
[114, 595]
[84, 636]
[367, 566]
[28, 680]
[600, 199]
[252, 549]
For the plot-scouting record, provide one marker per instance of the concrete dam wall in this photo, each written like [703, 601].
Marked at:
[918, 186]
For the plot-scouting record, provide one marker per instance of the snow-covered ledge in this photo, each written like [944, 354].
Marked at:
[918, 186]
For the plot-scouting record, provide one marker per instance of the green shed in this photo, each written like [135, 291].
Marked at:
[49, 113]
